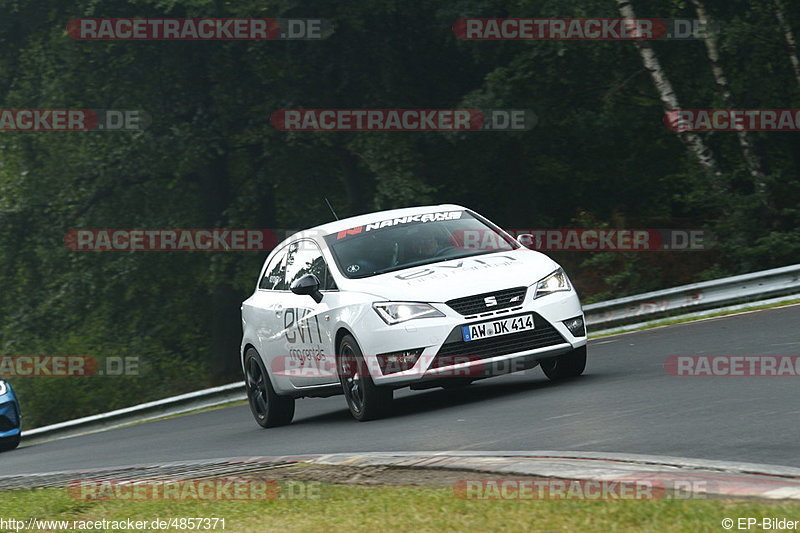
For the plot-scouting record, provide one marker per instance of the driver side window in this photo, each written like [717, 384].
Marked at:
[305, 257]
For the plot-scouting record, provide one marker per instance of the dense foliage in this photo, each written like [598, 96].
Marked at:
[600, 156]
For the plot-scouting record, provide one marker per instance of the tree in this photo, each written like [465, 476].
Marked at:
[745, 141]
[788, 34]
[669, 98]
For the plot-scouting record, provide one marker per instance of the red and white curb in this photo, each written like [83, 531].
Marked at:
[705, 478]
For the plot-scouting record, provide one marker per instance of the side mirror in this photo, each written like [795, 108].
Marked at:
[307, 285]
[529, 241]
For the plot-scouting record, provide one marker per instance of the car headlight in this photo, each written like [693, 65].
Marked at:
[555, 282]
[3, 387]
[396, 312]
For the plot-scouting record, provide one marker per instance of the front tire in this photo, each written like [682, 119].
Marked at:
[365, 400]
[569, 365]
[9, 443]
[268, 408]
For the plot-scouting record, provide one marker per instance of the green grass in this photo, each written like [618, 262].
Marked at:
[400, 508]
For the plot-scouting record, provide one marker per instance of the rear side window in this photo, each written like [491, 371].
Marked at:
[275, 275]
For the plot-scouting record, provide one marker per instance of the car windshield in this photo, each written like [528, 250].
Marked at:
[403, 242]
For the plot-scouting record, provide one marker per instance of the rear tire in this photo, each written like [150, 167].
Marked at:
[569, 365]
[9, 443]
[365, 400]
[268, 408]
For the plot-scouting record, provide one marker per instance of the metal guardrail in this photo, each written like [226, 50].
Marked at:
[694, 297]
[174, 405]
[652, 305]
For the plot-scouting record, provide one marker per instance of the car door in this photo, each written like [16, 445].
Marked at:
[265, 309]
[307, 339]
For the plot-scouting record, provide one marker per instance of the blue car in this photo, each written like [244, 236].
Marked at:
[10, 426]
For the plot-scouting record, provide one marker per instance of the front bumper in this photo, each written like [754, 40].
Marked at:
[446, 355]
[9, 419]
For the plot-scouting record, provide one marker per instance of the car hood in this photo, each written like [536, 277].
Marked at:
[446, 280]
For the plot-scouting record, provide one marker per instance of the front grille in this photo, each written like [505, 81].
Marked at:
[542, 336]
[473, 305]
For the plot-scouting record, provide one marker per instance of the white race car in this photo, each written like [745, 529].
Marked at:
[421, 297]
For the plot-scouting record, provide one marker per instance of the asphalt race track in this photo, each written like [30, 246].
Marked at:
[626, 402]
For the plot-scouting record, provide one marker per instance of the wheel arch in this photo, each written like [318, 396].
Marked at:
[270, 377]
[340, 333]
[246, 347]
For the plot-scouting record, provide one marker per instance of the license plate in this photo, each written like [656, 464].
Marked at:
[495, 328]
